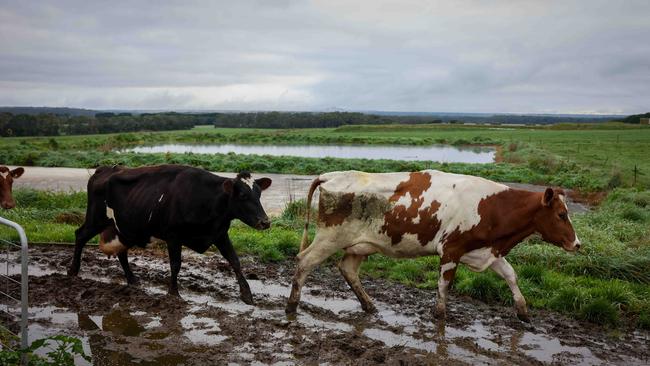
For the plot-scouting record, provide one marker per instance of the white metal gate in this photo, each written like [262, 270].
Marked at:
[13, 293]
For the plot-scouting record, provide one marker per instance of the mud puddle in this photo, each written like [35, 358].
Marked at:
[119, 324]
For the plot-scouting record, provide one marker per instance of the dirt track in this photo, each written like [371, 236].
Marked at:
[210, 325]
[285, 187]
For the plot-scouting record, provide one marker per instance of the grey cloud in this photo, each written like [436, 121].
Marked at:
[505, 56]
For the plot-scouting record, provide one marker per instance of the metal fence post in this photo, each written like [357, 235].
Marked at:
[24, 262]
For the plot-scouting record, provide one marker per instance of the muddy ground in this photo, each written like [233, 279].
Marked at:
[211, 325]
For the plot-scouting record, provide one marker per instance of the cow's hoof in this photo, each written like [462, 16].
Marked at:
[173, 292]
[247, 298]
[523, 317]
[134, 281]
[370, 309]
[291, 308]
[73, 272]
[440, 313]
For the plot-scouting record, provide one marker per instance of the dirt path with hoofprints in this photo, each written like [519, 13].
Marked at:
[285, 187]
[121, 325]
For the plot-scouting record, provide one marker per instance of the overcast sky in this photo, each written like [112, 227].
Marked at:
[520, 56]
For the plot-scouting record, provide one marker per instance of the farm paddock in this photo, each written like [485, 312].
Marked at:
[120, 324]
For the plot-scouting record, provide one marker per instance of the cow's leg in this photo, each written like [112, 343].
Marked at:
[314, 255]
[228, 252]
[174, 250]
[131, 279]
[447, 273]
[505, 270]
[82, 235]
[349, 267]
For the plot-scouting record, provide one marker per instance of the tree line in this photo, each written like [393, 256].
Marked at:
[635, 118]
[51, 124]
[312, 119]
[57, 125]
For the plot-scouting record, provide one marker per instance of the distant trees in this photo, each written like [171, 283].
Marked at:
[49, 124]
[54, 125]
[311, 119]
[635, 118]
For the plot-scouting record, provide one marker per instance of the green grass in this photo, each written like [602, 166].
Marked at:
[587, 157]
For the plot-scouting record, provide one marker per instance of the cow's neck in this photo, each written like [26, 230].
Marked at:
[519, 222]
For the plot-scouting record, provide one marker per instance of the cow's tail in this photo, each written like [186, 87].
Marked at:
[305, 234]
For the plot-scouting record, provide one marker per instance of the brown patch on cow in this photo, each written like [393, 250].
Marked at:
[448, 275]
[334, 208]
[400, 219]
[506, 220]
[417, 183]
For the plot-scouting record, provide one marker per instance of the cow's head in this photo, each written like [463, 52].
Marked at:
[244, 201]
[553, 221]
[7, 177]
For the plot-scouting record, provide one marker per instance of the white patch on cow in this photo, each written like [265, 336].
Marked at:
[249, 182]
[113, 247]
[458, 206]
[161, 197]
[478, 259]
[447, 266]
[505, 270]
[150, 214]
[382, 184]
[111, 215]
[4, 174]
[563, 199]
[577, 241]
[442, 290]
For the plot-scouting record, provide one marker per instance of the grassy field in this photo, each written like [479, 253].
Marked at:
[607, 283]
[587, 158]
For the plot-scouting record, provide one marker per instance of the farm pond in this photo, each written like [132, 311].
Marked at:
[440, 153]
[121, 324]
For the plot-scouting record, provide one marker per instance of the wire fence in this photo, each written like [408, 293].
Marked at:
[13, 290]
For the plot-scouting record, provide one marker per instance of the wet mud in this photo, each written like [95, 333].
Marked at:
[209, 324]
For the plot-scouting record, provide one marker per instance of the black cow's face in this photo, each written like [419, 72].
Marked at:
[245, 202]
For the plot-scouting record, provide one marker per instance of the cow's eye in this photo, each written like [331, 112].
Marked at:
[563, 216]
[242, 196]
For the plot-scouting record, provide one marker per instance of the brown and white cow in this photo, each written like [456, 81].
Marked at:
[7, 177]
[461, 218]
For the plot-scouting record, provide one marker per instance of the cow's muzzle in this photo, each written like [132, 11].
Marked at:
[573, 247]
[263, 224]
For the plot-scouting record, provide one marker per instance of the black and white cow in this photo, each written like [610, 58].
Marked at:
[179, 204]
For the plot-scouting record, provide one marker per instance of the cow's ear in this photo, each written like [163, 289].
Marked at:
[264, 183]
[227, 186]
[548, 197]
[16, 173]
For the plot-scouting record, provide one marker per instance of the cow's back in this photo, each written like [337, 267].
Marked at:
[154, 201]
[404, 212]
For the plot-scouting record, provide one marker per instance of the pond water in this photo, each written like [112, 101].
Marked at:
[441, 153]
